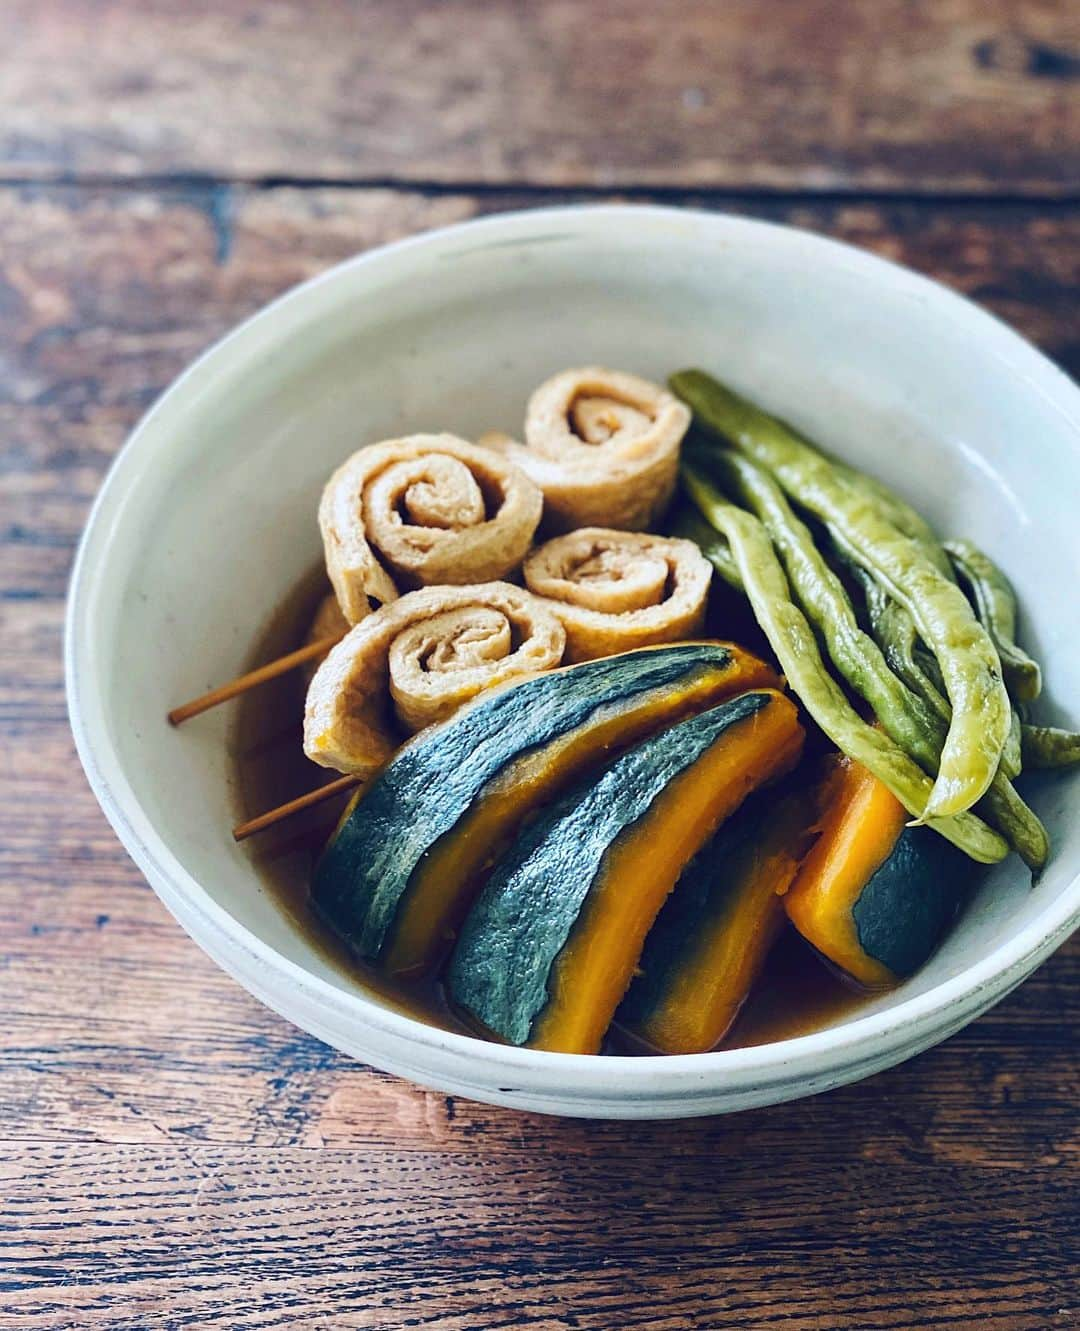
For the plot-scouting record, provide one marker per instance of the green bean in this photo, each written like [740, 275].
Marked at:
[964, 650]
[929, 666]
[904, 717]
[916, 724]
[920, 672]
[793, 642]
[995, 604]
[1012, 758]
[1002, 805]
[900, 513]
[688, 523]
[896, 632]
[1049, 746]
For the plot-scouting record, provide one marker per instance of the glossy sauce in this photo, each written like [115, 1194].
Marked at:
[796, 994]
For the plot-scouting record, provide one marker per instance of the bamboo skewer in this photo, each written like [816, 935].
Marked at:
[242, 684]
[253, 679]
[243, 830]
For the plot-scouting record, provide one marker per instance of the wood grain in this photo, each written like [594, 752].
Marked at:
[947, 95]
[381, 1240]
[172, 1154]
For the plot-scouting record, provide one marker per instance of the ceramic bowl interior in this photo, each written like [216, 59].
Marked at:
[209, 516]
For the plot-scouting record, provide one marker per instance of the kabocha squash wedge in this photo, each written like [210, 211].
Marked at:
[409, 855]
[549, 948]
[714, 932]
[874, 895]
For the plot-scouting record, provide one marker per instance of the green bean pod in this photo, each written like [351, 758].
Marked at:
[995, 604]
[900, 642]
[895, 631]
[688, 523]
[979, 726]
[1012, 758]
[1002, 804]
[917, 724]
[900, 513]
[903, 716]
[1005, 808]
[793, 642]
[1049, 746]
[919, 670]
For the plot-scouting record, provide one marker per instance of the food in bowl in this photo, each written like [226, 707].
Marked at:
[581, 820]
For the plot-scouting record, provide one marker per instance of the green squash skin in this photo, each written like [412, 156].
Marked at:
[707, 892]
[430, 785]
[500, 968]
[903, 912]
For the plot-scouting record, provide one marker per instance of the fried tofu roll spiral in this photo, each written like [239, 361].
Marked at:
[603, 446]
[426, 509]
[327, 622]
[617, 590]
[415, 661]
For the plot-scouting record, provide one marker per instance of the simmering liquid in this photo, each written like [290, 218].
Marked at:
[795, 995]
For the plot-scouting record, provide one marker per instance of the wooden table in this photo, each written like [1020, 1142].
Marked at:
[172, 1153]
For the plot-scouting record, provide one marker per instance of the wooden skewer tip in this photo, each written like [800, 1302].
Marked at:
[244, 830]
[252, 679]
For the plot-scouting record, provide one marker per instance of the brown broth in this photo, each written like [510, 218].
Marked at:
[795, 995]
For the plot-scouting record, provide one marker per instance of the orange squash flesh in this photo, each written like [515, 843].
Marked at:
[706, 1000]
[594, 968]
[447, 880]
[706, 976]
[860, 827]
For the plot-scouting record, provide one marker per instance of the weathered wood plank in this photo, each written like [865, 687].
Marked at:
[175, 1236]
[954, 95]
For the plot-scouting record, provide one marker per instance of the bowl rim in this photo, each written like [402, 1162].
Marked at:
[936, 1011]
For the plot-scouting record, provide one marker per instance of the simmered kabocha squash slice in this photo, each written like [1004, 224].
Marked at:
[550, 946]
[873, 895]
[713, 934]
[406, 860]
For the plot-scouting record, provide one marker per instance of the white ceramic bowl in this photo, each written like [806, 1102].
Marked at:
[208, 515]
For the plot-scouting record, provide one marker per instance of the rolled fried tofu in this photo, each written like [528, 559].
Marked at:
[617, 590]
[603, 446]
[327, 622]
[415, 661]
[423, 510]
